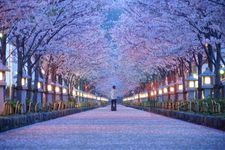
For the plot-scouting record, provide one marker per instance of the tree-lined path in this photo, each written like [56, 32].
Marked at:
[126, 128]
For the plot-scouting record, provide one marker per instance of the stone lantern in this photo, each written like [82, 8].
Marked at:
[160, 93]
[58, 91]
[74, 93]
[207, 82]
[65, 93]
[172, 91]
[165, 93]
[179, 90]
[23, 90]
[152, 95]
[3, 69]
[50, 91]
[192, 87]
[40, 88]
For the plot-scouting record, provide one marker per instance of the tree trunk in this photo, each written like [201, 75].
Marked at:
[54, 81]
[29, 81]
[3, 49]
[61, 89]
[36, 79]
[200, 57]
[217, 73]
[210, 59]
[19, 70]
[183, 80]
[190, 67]
[3, 57]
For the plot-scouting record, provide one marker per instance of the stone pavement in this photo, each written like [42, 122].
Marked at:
[103, 129]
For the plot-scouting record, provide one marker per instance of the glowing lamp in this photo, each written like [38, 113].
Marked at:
[152, 93]
[180, 87]
[64, 91]
[1, 76]
[57, 89]
[160, 91]
[172, 89]
[3, 69]
[42, 71]
[74, 93]
[207, 78]
[192, 82]
[39, 85]
[165, 90]
[24, 79]
[221, 71]
[49, 87]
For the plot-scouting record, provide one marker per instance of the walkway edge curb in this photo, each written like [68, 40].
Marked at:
[209, 121]
[16, 121]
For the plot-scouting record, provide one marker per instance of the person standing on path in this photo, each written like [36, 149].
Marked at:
[113, 98]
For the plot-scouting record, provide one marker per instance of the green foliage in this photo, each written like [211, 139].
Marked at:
[222, 104]
[28, 101]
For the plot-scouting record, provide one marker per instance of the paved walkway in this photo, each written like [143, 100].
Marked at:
[124, 129]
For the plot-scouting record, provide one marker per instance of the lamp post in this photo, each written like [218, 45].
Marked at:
[3, 69]
[207, 82]
[192, 87]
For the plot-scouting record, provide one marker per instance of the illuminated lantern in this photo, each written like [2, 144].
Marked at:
[24, 80]
[192, 82]
[3, 69]
[74, 93]
[49, 88]
[1, 35]
[171, 88]
[152, 93]
[64, 91]
[40, 83]
[172, 91]
[207, 82]
[222, 70]
[57, 88]
[40, 86]
[179, 90]
[160, 93]
[165, 90]
[192, 86]
[207, 78]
